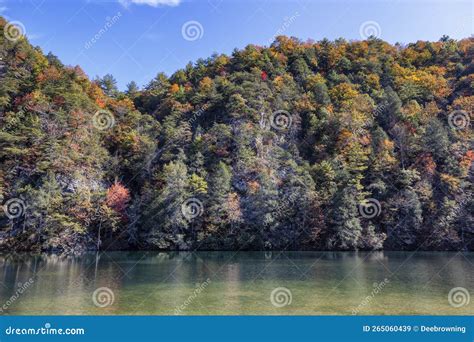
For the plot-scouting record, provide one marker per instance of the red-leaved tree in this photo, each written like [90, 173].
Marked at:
[118, 197]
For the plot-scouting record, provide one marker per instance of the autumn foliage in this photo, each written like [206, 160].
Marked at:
[358, 120]
[118, 198]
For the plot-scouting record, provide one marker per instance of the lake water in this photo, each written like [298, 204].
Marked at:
[231, 283]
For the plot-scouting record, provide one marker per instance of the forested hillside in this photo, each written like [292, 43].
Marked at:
[329, 145]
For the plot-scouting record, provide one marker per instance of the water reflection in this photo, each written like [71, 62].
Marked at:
[240, 283]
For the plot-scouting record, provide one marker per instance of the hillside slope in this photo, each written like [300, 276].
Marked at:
[300, 145]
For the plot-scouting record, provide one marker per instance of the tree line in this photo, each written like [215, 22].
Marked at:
[328, 145]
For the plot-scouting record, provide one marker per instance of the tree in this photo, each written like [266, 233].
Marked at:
[268, 148]
[164, 220]
[132, 89]
[346, 227]
[118, 198]
[108, 84]
[223, 208]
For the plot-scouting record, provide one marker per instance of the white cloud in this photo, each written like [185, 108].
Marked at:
[153, 3]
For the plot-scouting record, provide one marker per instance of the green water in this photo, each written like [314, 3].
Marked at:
[230, 283]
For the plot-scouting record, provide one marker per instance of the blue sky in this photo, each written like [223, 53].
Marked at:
[140, 38]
